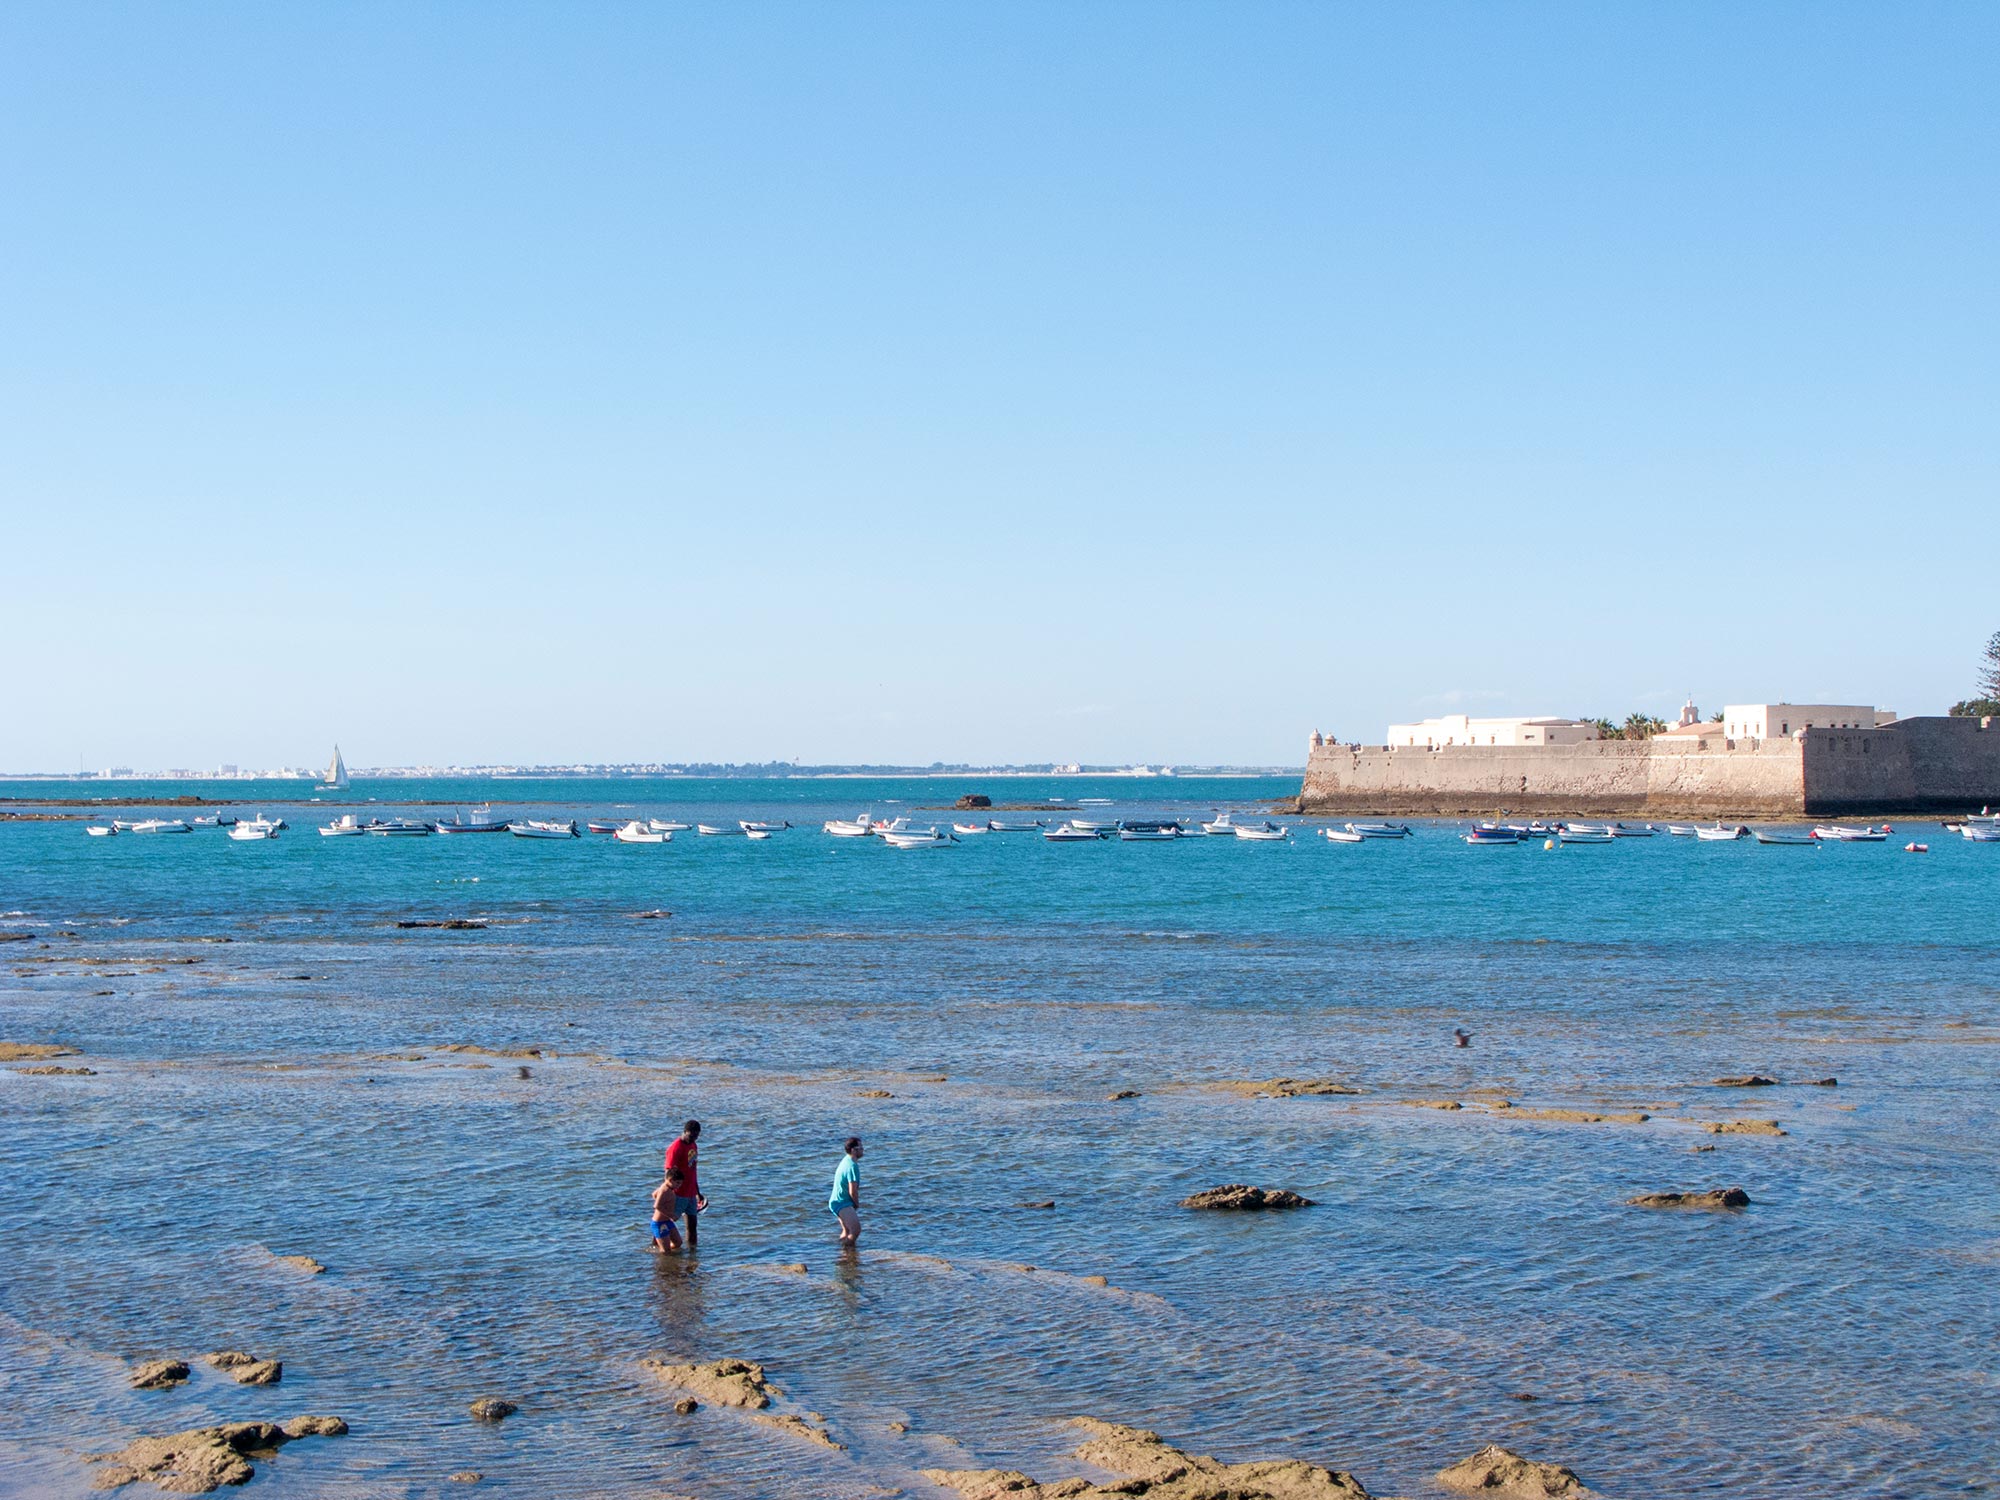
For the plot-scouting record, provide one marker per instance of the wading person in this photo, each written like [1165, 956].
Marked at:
[665, 1236]
[689, 1202]
[846, 1200]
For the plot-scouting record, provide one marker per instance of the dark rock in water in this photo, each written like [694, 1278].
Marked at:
[970, 802]
[16, 937]
[1699, 1149]
[1122, 1094]
[465, 1476]
[1743, 1127]
[653, 915]
[1242, 1197]
[1506, 1475]
[1044, 1203]
[686, 1406]
[52, 1070]
[449, 924]
[1714, 1198]
[300, 1427]
[875, 1094]
[1745, 1081]
[303, 1263]
[158, 1374]
[203, 1458]
[492, 1409]
[1822, 1083]
[247, 1369]
[23, 1051]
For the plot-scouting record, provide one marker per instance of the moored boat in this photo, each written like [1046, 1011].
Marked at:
[1720, 834]
[101, 831]
[1489, 835]
[711, 831]
[845, 828]
[994, 825]
[765, 828]
[1836, 834]
[1342, 836]
[1578, 833]
[544, 828]
[256, 828]
[666, 825]
[1269, 833]
[1682, 830]
[398, 828]
[968, 829]
[344, 826]
[1627, 831]
[1069, 833]
[1381, 830]
[1221, 825]
[636, 832]
[917, 838]
[1980, 833]
[481, 820]
[159, 825]
[608, 825]
[1786, 836]
[1148, 832]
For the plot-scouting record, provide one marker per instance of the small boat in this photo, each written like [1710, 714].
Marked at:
[1626, 831]
[1916, 848]
[398, 828]
[217, 820]
[1578, 833]
[636, 832]
[159, 825]
[256, 828]
[1835, 834]
[1488, 835]
[917, 838]
[1720, 834]
[754, 827]
[1682, 830]
[1787, 836]
[1069, 833]
[1090, 825]
[336, 775]
[544, 828]
[710, 831]
[666, 825]
[606, 825]
[1220, 825]
[996, 826]
[1148, 833]
[101, 831]
[1381, 830]
[756, 833]
[1980, 833]
[1603, 828]
[845, 828]
[342, 827]
[1342, 836]
[481, 821]
[968, 829]
[1269, 833]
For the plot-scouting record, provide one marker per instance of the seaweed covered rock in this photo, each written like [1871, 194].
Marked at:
[204, 1458]
[1506, 1475]
[1243, 1198]
[725, 1382]
[1284, 1088]
[1733, 1197]
[159, 1374]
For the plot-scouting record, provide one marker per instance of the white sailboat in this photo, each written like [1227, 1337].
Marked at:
[336, 775]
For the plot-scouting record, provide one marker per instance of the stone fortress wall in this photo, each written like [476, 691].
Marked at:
[1913, 765]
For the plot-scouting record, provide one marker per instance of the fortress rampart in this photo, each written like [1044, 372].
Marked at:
[1910, 766]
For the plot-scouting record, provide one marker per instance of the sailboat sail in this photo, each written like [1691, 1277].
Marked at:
[336, 774]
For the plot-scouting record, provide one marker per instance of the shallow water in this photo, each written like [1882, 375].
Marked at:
[483, 1230]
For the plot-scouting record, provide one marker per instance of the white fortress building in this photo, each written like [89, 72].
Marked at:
[1457, 729]
[1777, 721]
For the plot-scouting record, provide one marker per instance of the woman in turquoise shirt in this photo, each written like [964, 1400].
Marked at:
[846, 1200]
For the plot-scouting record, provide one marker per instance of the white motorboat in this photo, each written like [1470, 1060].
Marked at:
[1220, 825]
[843, 828]
[1578, 833]
[1148, 833]
[1269, 833]
[968, 829]
[917, 838]
[1787, 836]
[1833, 833]
[1627, 831]
[710, 831]
[1342, 836]
[159, 825]
[481, 820]
[1980, 833]
[101, 831]
[1721, 835]
[636, 832]
[1036, 826]
[1090, 825]
[755, 827]
[1682, 830]
[666, 825]
[1381, 830]
[1069, 833]
[344, 826]
[1604, 828]
[756, 833]
[398, 828]
[256, 828]
[544, 828]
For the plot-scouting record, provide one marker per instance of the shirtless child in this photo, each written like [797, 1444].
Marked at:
[665, 1235]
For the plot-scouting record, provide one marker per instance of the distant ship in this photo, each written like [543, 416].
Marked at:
[336, 774]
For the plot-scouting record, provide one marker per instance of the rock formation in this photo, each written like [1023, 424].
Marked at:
[492, 1409]
[725, 1382]
[158, 1374]
[1242, 1197]
[1506, 1475]
[1733, 1197]
[247, 1369]
[1159, 1472]
[1284, 1088]
[202, 1458]
[1745, 1081]
[26, 1051]
[1742, 1127]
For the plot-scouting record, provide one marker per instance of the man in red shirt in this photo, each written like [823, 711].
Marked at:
[690, 1201]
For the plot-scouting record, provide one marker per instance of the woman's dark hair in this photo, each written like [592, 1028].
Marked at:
[852, 1142]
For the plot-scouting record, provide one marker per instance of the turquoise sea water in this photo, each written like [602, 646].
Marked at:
[285, 1093]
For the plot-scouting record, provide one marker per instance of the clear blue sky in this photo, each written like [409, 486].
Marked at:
[953, 381]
